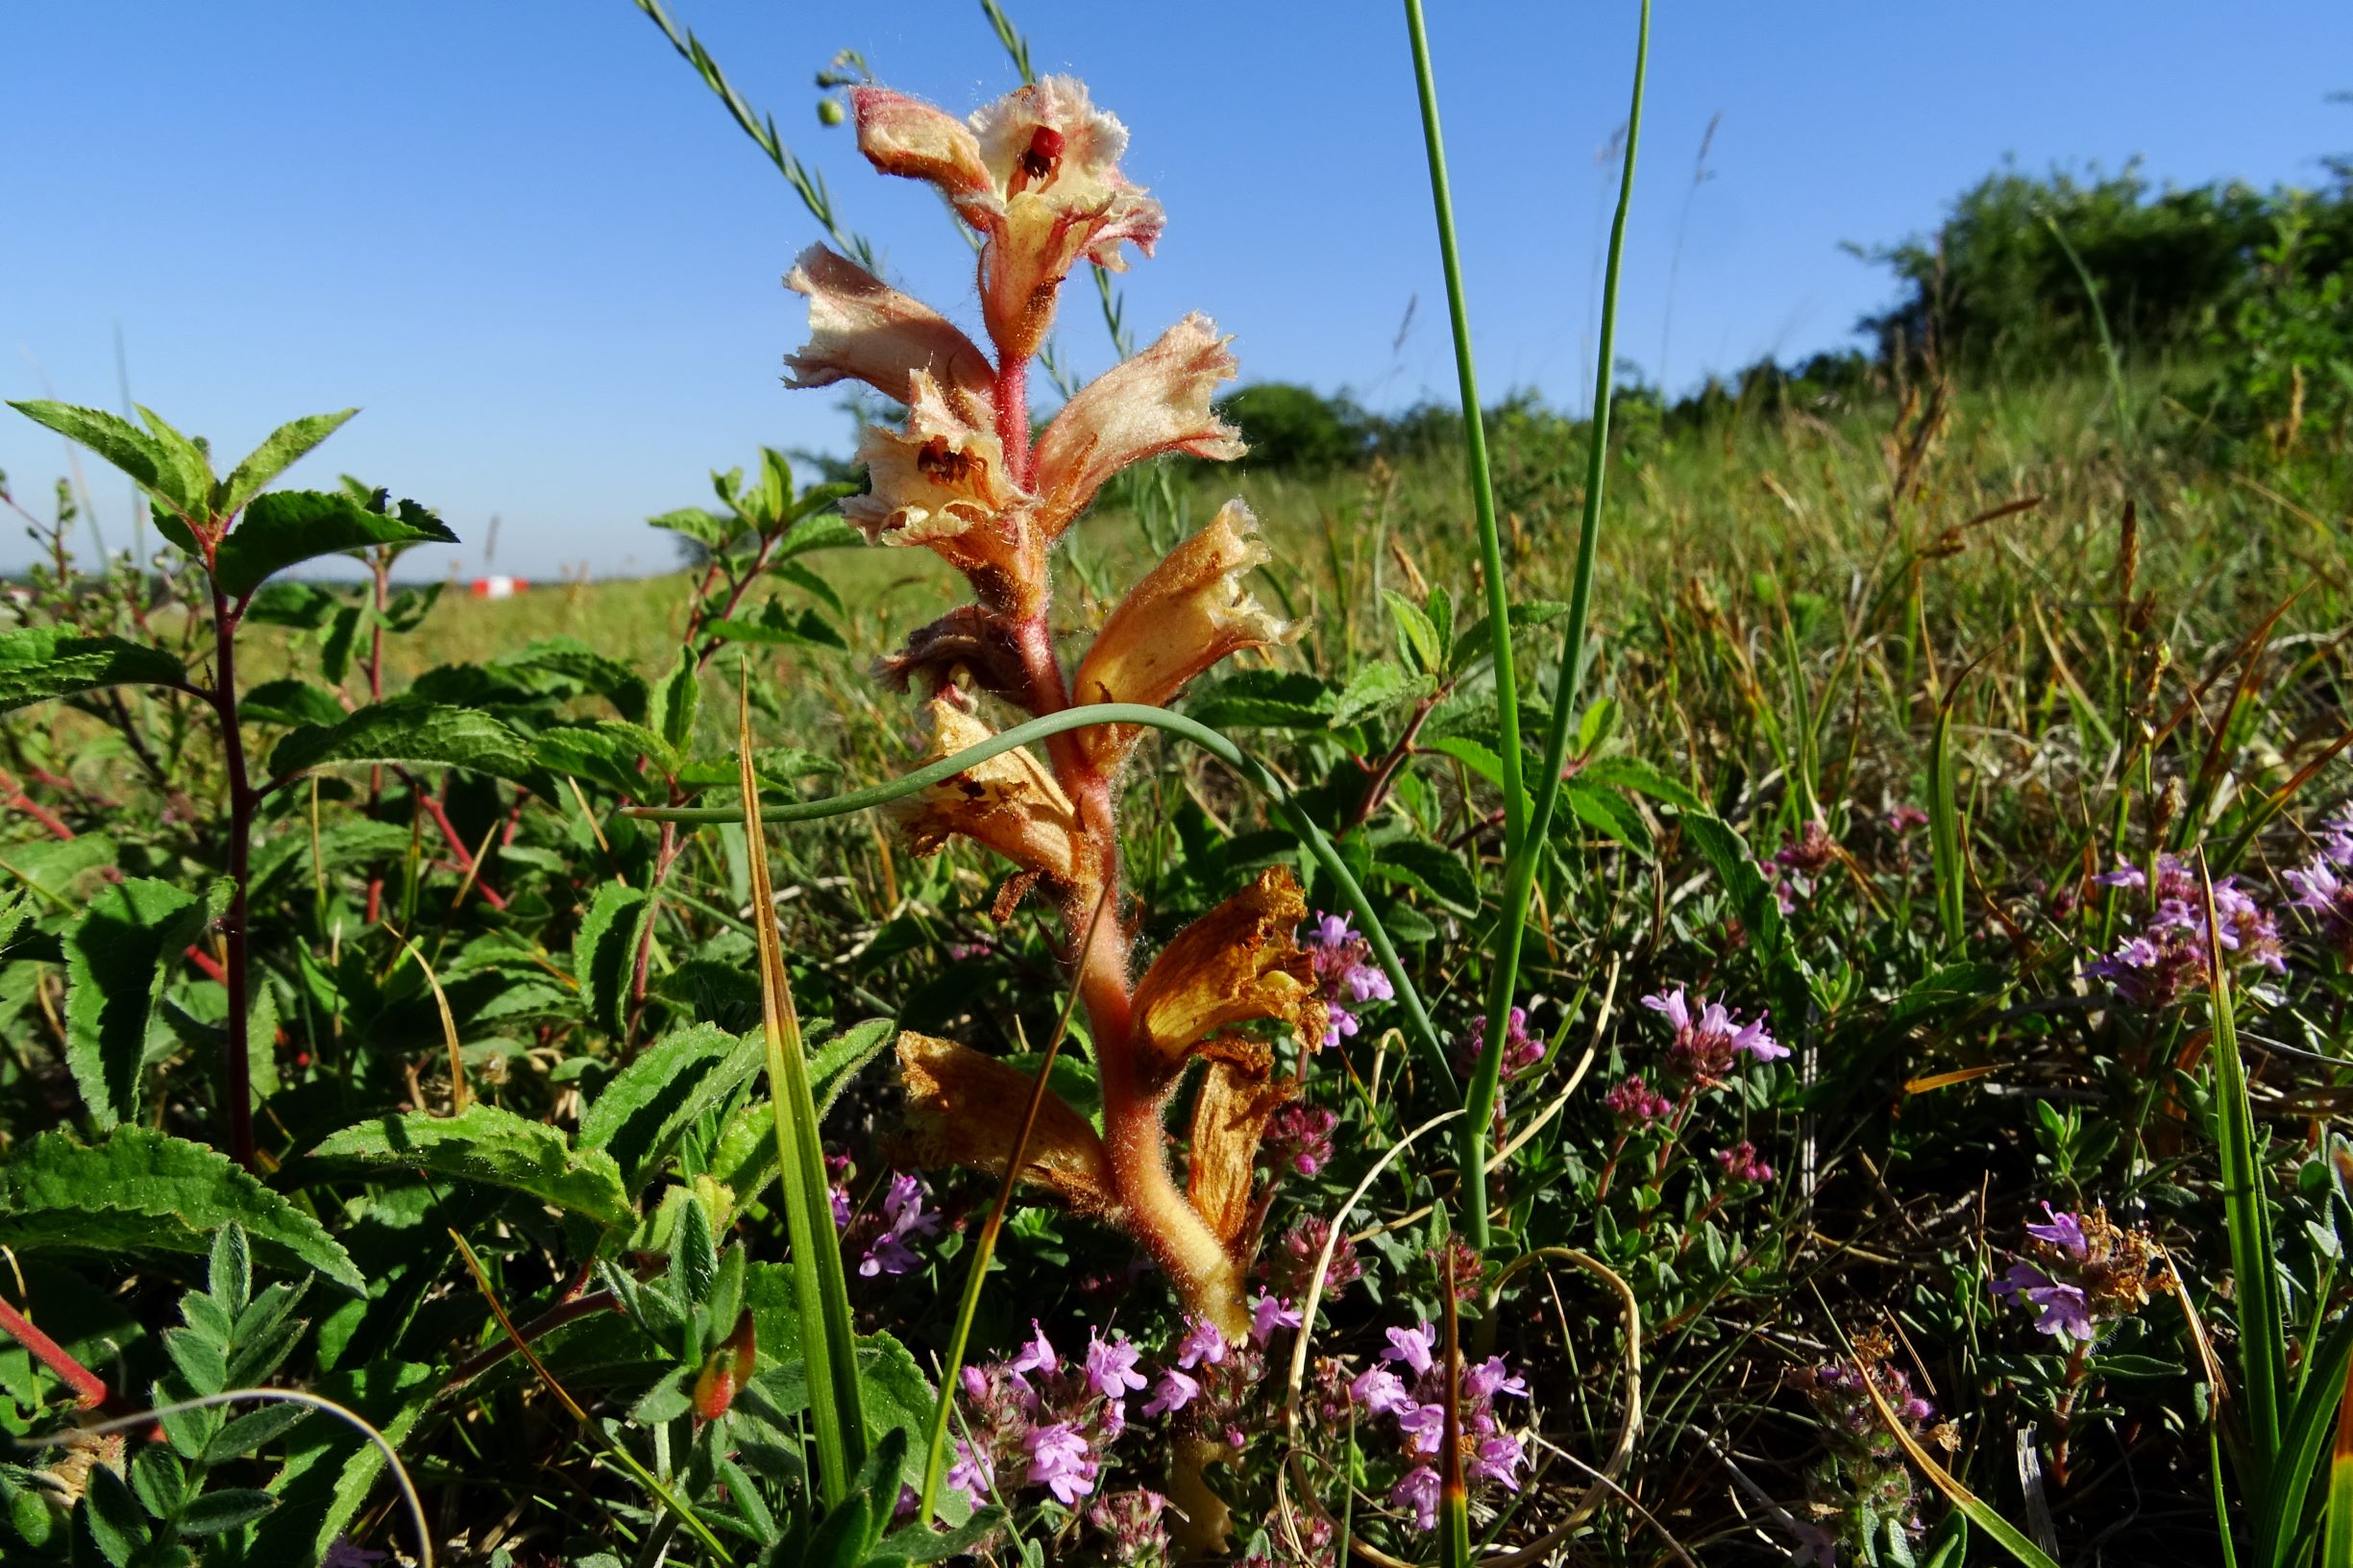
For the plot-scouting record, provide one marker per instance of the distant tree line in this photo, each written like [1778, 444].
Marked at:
[2259, 284]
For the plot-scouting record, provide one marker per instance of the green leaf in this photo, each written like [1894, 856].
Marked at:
[288, 527]
[746, 1157]
[496, 1147]
[776, 628]
[278, 452]
[113, 1517]
[290, 703]
[141, 1190]
[159, 468]
[606, 753]
[39, 663]
[119, 953]
[402, 731]
[1606, 812]
[1474, 642]
[605, 953]
[575, 662]
[225, 1510]
[1264, 699]
[1375, 686]
[706, 529]
[820, 532]
[670, 711]
[1478, 756]
[2246, 1221]
[1945, 830]
[1643, 779]
[1416, 634]
[2279, 1499]
[1726, 852]
[640, 1116]
[256, 1429]
[1431, 870]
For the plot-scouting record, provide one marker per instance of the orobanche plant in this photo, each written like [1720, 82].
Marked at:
[1036, 175]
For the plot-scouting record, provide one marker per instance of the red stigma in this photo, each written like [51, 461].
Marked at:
[1045, 152]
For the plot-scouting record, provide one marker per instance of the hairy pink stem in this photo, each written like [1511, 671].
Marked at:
[1160, 1215]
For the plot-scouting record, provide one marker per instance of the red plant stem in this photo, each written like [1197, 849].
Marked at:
[14, 795]
[458, 844]
[1159, 1214]
[89, 1389]
[1609, 1168]
[1013, 418]
[207, 963]
[237, 1071]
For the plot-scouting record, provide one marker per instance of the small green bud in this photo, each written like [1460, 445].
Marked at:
[829, 111]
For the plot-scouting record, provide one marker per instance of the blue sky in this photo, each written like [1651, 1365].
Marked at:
[524, 240]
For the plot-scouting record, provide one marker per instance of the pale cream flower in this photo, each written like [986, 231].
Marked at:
[1188, 612]
[942, 483]
[860, 329]
[1009, 803]
[1036, 173]
[1157, 402]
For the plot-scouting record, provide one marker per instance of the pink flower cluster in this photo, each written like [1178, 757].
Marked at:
[1038, 1419]
[2326, 897]
[1290, 1268]
[1346, 978]
[2166, 959]
[1038, 1422]
[1708, 1045]
[878, 1241]
[1299, 1136]
[1491, 1456]
[1740, 1164]
[1635, 1102]
[1522, 1050]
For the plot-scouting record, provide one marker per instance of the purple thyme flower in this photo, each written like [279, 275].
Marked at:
[1415, 1347]
[2326, 897]
[1203, 1344]
[1345, 978]
[1176, 1390]
[1424, 1427]
[1419, 1492]
[2063, 1230]
[973, 1474]
[1061, 1462]
[1706, 1046]
[903, 1211]
[1379, 1390]
[1905, 817]
[1491, 1377]
[1498, 1460]
[1268, 1313]
[1037, 1355]
[1111, 1366]
[2167, 959]
[2065, 1311]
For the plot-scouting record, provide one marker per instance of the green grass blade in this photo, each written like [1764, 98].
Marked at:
[829, 1338]
[1526, 857]
[2337, 1532]
[1472, 1136]
[2247, 1220]
[1945, 829]
[976, 1273]
[2280, 1510]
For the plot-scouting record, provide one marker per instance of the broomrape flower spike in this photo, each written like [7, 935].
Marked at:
[1036, 175]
